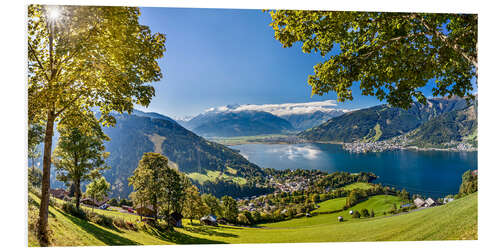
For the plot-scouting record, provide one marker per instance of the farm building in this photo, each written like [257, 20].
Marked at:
[210, 220]
[419, 202]
[94, 202]
[429, 202]
[146, 211]
[60, 194]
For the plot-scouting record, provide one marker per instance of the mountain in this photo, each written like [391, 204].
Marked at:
[303, 121]
[259, 119]
[458, 126]
[240, 123]
[142, 132]
[381, 122]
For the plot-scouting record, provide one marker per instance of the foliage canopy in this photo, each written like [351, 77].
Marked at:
[392, 55]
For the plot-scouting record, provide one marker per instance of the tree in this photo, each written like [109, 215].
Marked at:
[151, 180]
[230, 208]
[82, 57]
[469, 184]
[98, 189]
[193, 204]
[365, 212]
[113, 202]
[356, 214]
[34, 176]
[392, 55]
[213, 204]
[80, 156]
[405, 195]
[353, 198]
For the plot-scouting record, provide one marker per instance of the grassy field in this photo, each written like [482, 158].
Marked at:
[211, 175]
[358, 185]
[331, 205]
[455, 220]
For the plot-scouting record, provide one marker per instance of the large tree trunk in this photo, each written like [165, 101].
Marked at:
[78, 193]
[44, 204]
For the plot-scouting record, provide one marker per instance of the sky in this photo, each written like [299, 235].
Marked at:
[218, 57]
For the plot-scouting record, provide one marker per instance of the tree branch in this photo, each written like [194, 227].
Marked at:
[446, 41]
[33, 53]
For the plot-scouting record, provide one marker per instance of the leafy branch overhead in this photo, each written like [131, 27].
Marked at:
[392, 55]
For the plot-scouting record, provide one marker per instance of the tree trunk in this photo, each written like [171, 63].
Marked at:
[44, 203]
[78, 193]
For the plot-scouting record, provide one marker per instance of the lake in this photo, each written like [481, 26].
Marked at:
[431, 173]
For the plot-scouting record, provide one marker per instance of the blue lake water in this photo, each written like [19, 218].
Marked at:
[431, 173]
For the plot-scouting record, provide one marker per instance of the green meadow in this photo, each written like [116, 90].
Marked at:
[453, 221]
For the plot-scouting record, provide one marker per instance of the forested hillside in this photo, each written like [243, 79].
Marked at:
[458, 126]
[134, 135]
[381, 122]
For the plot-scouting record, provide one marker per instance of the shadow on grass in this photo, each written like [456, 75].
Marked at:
[207, 230]
[180, 238]
[107, 237]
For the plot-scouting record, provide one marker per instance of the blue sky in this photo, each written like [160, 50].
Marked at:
[216, 57]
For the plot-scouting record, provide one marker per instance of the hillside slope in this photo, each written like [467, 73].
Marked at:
[381, 122]
[241, 123]
[459, 126]
[454, 221]
[134, 135]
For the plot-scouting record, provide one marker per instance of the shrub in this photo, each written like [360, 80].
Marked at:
[121, 223]
[356, 214]
[100, 219]
[365, 212]
[32, 218]
[113, 202]
[71, 209]
[243, 220]
[372, 214]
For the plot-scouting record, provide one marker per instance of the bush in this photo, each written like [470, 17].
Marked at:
[32, 218]
[71, 209]
[100, 219]
[113, 202]
[372, 214]
[121, 223]
[356, 214]
[365, 212]
[243, 220]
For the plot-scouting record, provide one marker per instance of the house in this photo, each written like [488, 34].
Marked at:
[145, 210]
[210, 220]
[60, 193]
[429, 202]
[94, 202]
[340, 218]
[175, 219]
[351, 212]
[419, 202]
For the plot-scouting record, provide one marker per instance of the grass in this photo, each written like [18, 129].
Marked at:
[331, 205]
[379, 203]
[453, 221]
[358, 185]
[212, 175]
